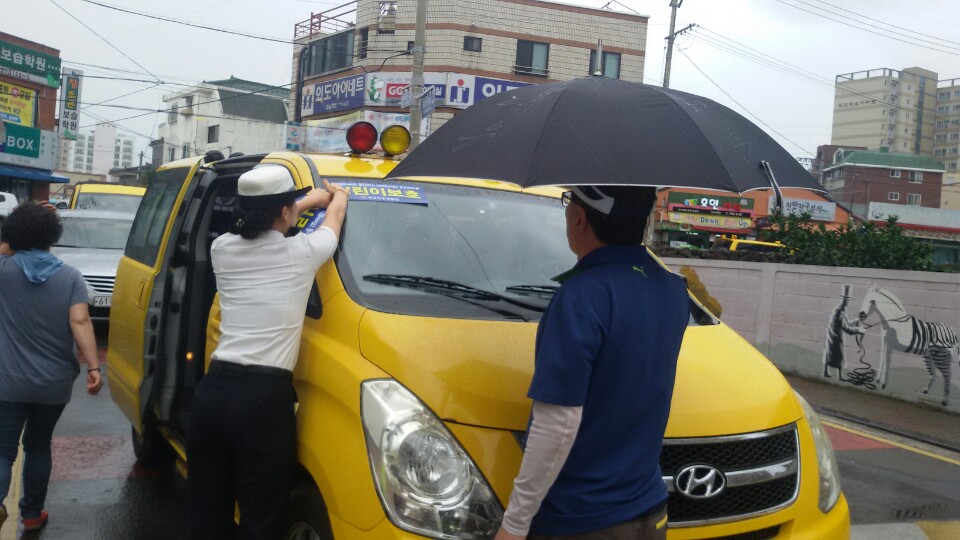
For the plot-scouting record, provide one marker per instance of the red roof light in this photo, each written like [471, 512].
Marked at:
[361, 137]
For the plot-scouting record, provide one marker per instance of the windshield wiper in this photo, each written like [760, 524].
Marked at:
[543, 291]
[433, 284]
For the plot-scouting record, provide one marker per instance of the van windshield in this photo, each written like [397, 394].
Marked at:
[467, 253]
[109, 201]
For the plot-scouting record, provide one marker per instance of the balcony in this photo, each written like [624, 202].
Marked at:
[331, 21]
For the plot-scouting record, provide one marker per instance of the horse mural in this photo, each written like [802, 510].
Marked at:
[905, 333]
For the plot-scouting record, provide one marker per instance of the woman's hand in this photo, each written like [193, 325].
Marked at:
[315, 198]
[332, 189]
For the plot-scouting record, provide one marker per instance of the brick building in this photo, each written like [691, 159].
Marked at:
[353, 59]
[857, 178]
[29, 78]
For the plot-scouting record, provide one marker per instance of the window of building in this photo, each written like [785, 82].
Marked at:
[916, 177]
[944, 95]
[409, 46]
[940, 152]
[943, 109]
[213, 134]
[329, 54]
[913, 199]
[952, 165]
[532, 58]
[185, 151]
[172, 156]
[610, 68]
[364, 42]
[893, 196]
[941, 124]
[941, 137]
[952, 151]
[189, 101]
[472, 43]
[894, 173]
[903, 146]
[956, 108]
[172, 114]
[955, 136]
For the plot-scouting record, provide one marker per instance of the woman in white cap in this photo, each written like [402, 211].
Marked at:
[241, 437]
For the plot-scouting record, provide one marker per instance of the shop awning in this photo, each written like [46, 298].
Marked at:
[34, 175]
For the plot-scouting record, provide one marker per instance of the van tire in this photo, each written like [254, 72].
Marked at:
[306, 517]
[151, 449]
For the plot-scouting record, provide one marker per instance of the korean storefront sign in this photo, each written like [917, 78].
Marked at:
[387, 89]
[710, 203]
[331, 96]
[465, 90]
[70, 103]
[17, 104]
[29, 65]
[818, 210]
[28, 147]
[710, 220]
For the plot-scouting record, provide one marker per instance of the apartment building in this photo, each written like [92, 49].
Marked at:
[229, 115]
[354, 61]
[946, 138]
[93, 153]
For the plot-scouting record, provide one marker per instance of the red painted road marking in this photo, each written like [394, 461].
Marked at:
[96, 458]
[844, 440]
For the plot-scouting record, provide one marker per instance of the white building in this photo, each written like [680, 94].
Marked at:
[97, 152]
[351, 61]
[230, 115]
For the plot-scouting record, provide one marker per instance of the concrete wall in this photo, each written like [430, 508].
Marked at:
[785, 310]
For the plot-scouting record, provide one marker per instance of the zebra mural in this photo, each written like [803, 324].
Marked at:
[905, 333]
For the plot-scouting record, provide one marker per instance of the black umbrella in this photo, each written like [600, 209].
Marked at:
[603, 131]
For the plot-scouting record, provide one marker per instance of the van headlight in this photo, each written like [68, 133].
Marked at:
[426, 482]
[826, 460]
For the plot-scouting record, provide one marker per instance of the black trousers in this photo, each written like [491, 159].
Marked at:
[241, 446]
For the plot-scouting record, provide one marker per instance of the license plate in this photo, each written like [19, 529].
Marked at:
[102, 301]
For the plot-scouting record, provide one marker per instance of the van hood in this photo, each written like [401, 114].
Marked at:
[477, 372]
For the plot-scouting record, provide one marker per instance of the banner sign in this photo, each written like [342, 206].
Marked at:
[311, 220]
[331, 96]
[29, 147]
[17, 104]
[386, 89]
[711, 221]
[679, 199]
[29, 65]
[70, 103]
[465, 90]
[818, 210]
[19, 140]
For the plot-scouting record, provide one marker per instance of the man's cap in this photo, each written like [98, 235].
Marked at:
[267, 187]
[617, 200]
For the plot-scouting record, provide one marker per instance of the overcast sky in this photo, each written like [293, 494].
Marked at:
[792, 33]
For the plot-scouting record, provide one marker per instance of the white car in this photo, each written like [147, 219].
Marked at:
[8, 201]
[93, 242]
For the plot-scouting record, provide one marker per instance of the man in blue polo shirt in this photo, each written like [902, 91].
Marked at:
[606, 358]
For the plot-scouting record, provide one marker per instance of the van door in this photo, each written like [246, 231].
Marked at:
[135, 311]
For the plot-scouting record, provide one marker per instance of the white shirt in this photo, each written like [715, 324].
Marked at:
[264, 285]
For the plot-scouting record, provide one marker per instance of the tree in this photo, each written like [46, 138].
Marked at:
[868, 245]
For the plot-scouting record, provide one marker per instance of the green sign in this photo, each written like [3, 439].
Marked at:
[29, 65]
[19, 140]
[714, 202]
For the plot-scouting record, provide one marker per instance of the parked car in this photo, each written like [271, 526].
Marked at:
[8, 201]
[416, 356]
[105, 196]
[740, 244]
[58, 202]
[93, 242]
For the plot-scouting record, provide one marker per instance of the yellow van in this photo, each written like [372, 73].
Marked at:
[732, 243]
[105, 196]
[416, 355]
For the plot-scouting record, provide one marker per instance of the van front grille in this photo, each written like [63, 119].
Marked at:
[760, 471]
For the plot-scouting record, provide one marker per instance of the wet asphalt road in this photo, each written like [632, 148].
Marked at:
[98, 492]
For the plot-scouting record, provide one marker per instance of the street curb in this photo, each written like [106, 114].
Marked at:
[924, 438]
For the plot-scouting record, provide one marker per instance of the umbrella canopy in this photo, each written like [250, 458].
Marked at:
[603, 131]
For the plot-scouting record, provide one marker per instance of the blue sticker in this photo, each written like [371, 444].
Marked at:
[311, 220]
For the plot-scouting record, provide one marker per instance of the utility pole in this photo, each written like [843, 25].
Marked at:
[416, 83]
[674, 4]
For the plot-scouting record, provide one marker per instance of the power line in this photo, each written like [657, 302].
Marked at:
[104, 39]
[802, 149]
[887, 23]
[848, 23]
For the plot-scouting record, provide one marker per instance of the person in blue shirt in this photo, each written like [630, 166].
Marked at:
[606, 359]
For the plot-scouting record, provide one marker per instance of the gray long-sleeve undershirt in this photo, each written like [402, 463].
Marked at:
[551, 435]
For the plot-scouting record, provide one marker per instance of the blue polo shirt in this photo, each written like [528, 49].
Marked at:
[609, 342]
